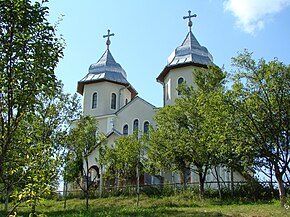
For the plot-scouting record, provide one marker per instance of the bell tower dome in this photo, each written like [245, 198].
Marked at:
[180, 64]
[105, 88]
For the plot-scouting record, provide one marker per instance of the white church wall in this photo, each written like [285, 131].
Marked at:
[125, 97]
[104, 90]
[137, 109]
[105, 123]
[171, 79]
[94, 156]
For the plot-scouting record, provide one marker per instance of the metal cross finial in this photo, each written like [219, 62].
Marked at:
[108, 42]
[189, 19]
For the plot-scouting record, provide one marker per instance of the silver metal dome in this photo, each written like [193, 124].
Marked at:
[106, 69]
[190, 51]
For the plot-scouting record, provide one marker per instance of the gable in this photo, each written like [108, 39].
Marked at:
[138, 109]
[137, 101]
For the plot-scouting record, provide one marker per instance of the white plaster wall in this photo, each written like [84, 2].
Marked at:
[172, 80]
[95, 154]
[138, 109]
[104, 90]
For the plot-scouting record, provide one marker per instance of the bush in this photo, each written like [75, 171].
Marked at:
[151, 191]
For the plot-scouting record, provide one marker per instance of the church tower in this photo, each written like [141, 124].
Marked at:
[105, 88]
[180, 64]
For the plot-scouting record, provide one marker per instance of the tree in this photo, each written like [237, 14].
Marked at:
[129, 157]
[83, 139]
[41, 137]
[168, 141]
[29, 51]
[191, 131]
[260, 97]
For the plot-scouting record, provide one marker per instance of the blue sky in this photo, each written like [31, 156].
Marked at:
[147, 31]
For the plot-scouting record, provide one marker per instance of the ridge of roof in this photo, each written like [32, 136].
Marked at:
[114, 131]
[132, 101]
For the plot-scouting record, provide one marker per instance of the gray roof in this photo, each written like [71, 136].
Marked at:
[105, 69]
[190, 51]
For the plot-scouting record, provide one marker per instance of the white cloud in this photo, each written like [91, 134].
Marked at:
[252, 14]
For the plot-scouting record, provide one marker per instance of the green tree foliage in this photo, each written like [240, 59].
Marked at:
[127, 158]
[84, 139]
[261, 101]
[37, 164]
[30, 52]
[191, 132]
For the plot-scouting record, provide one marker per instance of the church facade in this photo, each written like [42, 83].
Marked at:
[112, 99]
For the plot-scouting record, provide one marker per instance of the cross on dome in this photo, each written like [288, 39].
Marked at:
[108, 42]
[189, 19]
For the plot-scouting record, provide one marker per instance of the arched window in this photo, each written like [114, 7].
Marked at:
[94, 100]
[126, 101]
[125, 129]
[146, 127]
[135, 125]
[113, 101]
[180, 81]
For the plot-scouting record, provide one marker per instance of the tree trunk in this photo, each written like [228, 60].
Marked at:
[271, 179]
[87, 184]
[33, 208]
[101, 181]
[116, 181]
[6, 199]
[87, 199]
[282, 193]
[138, 185]
[65, 194]
[218, 182]
[232, 182]
[184, 178]
[201, 184]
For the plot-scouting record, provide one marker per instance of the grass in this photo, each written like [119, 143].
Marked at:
[159, 206]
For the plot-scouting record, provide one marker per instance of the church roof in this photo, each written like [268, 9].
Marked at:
[132, 101]
[114, 131]
[190, 52]
[105, 69]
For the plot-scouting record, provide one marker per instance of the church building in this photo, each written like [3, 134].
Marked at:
[112, 99]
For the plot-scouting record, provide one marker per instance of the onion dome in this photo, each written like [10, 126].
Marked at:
[189, 53]
[105, 69]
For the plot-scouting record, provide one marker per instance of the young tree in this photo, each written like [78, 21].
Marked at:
[129, 153]
[261, 101]
[29, 52]
[191, 131]
[169, 141]
[41, 139]
[83, 139]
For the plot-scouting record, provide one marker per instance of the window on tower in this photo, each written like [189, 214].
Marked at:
[94, 101]
[180, 81]
[125, 129]
[113, 101]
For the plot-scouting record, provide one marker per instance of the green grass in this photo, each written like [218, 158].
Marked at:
[181, 205]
